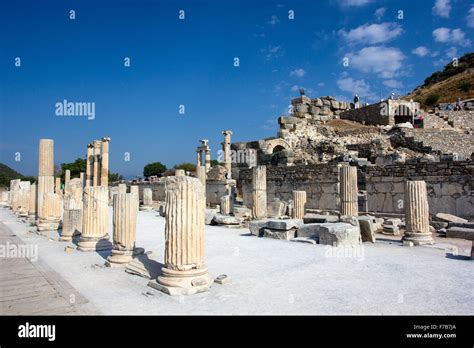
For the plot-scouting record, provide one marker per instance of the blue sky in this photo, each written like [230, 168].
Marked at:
[190, 62]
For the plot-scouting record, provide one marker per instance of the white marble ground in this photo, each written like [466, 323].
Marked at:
[271, 276]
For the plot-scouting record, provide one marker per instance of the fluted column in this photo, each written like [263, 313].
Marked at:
[348, 189]
[50, 214]
[95, 220]
[259, 192]
[104, 173]
[227, 205]
[32, 204]
[57, 186]
[208, 159]
[83, 179]
[124, 229]
[299, 202]
[227, 154]
[23, 198]
[184, 271]
[14, 194]
[417, 213]
[72, 214]
[96, 166]
[67, 177]
[147, 199]
[89, 164]
[45, 184]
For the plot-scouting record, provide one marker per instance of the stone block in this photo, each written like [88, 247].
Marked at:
[276, 234]
[339, 234]
[276, 209]
[242, 212]
[318, 218]
[220, 219]
[367, 229]
[256, 227]
[449, 218]
[283, 225]
[460, 232]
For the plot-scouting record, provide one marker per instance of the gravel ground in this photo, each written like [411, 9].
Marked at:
[272, 276]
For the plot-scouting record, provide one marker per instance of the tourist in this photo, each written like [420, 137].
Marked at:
[356, 102]
[459, 105]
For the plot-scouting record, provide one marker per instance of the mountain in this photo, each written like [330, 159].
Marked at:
[456, 80]
[7, 174]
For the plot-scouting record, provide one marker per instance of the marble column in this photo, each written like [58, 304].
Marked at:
[95, 220]
[83, 179]
[14, 192]
[67, 177]
[259, 192]
[417, 214]
[23, 198]
[89, 164]
[208, 159]
[227, 153]
[199, 158]
[134, 189]
[348, 188]
[32, 206]
[122, 188]
[96, 166]
[50, 213]
[45, 184]
[147, 199]
[104, 173]
[124, 229]
[227, 205]
[57, 186]
[184, 271]
[72, 214]
[299, 202]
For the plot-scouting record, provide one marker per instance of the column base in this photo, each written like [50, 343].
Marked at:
[145, 208]
[175, 283]
[68, 238]
[94, 244]
[47, 225]
[122, 257]
[419, 238]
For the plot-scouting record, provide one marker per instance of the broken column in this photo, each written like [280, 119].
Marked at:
[124, 229]
[72, 215]
[299, 202]
[259, 192]
[89, 164]
[57, 186]
[184, 271]
[208, 159]
[227, 154]
[227, 205]
[179, 172]
[14, 192]
[122, 188]
[147, 199]
[348, 188]
[50, 213]
[32, 204]
[67, 177]
[104, 172]
[83, 179]
[417, 214]
[95, 220]
[23, 198]
[96, 169]
[45, 183]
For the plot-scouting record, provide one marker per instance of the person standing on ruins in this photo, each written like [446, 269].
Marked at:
[459, 105]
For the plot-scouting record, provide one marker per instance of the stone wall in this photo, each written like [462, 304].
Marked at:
[320, 181]
[450, 186]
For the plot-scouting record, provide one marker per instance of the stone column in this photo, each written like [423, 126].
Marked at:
[259, 192]
[45, 184]
[147, 199]
[32, 204]
[122, 188]
[72, 215]
[179, 172]
[23, 198]
[348, 188]
[96, 169]
[227, 205]
[14, 193]
[83, 179]
[57, 186]
[184, 271]
[95, 220]
[89, 164]
[67, 177]
[208, 159]
[124, 229]
[104, 173]
[227, 154]
[417, 214]
[299, 202]
[135, 190]
[199, 158]
[50, 214]
[4, 198]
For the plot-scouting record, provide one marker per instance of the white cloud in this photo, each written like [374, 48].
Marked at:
[383, 61]
[452, 52]
[470, 17]
[442, 8]
[274, 20]
[321, 84]
[372, 33]
[295, 88]
[379, 13]
[420, 51]
[393, 84]
[455, 36]
[298, 72]
[272, 52]
[353, 3]
[352, 86]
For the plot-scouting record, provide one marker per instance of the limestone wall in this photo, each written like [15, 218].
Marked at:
[320, 181]
[449, 186]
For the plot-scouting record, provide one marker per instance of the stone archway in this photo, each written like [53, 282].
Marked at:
[275, 145]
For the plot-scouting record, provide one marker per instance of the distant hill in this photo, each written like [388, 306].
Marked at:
[447, 85]
[7, 174]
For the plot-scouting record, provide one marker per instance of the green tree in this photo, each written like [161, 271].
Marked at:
[114, 177]
[214, 163]
[76, 167]
[155, 168]
[188, 167]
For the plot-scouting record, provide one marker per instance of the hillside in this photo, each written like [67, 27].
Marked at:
[7, 174]
[447, 85]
